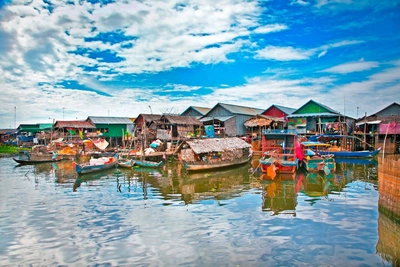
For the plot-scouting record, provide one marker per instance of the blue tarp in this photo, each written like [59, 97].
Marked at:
[209, 129]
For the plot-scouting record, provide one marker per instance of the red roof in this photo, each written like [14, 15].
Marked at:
[74, 124]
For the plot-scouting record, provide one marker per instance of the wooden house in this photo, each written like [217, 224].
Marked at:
[30, 134]
[112, 129]
[144, 125]
[373, 129]
[174, 127]
[227, 120]
[194, 111]
[73, 130]
[314, 117]
[7, 136]
[278, 111]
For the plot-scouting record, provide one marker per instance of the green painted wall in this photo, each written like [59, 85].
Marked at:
[111, 130]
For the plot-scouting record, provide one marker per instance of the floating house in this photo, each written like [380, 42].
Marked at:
[224, 120]
[278, 111]
[380, 126]
[112, 129]
[314, 117]
[73, 131]
[178, 127]
[31, 134]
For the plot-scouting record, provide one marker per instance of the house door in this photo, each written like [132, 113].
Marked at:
[174, 131]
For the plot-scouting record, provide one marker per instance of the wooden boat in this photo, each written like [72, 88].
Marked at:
[30, 161]
[314, 160]
[147, 163]
[202, 166]
[213, 153]
[353, 154]
[279, 156]
[125, 163]
[346, 147]
[35, 158]
[96, 165]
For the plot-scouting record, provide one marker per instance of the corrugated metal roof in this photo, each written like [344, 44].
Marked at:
[325, 114]
[74, 124]
[150, 117]
[44, 126]
[286, 110]
[202, 110]
[217, 144]
[235, 109]
[110, 120]
[219, 118]
[182, 120]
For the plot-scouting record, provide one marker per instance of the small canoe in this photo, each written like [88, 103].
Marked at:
[126, 163]
[146, 163]
[29, 161]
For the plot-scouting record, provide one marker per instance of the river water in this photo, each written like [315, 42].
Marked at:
[166, 217]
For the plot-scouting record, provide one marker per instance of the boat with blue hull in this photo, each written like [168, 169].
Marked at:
[147, 163]
[345, 146]
[96, 165]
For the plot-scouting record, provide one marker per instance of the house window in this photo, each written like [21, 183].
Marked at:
[103, 130]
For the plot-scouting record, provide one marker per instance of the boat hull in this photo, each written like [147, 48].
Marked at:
[83, 169]
[351, 154]
[200, 166]
[282, 166]
[125, 164]
[147, 164]
[26, 161]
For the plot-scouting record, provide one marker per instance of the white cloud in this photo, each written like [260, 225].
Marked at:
[290, 53]
[352, 67]
[283, 53]
[271, 28]
[300, 2]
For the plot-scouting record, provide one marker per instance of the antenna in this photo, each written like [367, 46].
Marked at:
[150, 109]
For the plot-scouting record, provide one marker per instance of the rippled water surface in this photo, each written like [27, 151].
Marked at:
[165, 217]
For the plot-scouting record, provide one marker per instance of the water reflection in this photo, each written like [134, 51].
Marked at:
[280, 194]
[235, 217]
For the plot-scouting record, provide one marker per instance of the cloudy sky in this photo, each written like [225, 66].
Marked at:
[73, 59]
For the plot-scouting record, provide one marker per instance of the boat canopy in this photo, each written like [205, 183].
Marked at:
[310, 144]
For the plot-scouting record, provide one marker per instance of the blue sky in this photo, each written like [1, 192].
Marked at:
[74, 59]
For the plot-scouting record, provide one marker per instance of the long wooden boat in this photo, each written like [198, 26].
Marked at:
[107, 163]
[347, 152]
[203, 166]
[353, 154]
[37, 161]
[147, 163]
[213, 153]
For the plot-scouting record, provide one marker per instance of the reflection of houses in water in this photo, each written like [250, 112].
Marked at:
[389, 187]
[214, 184]
[279, 194]
[388, 246]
